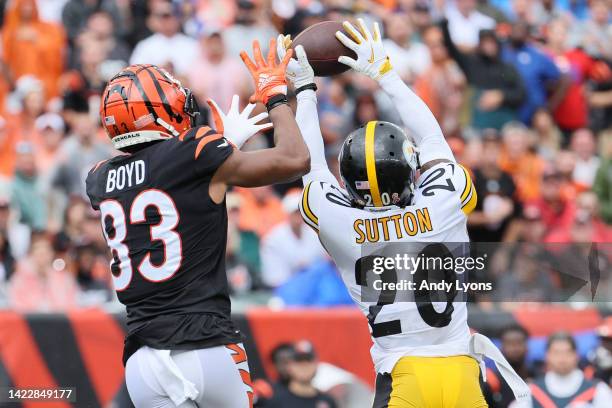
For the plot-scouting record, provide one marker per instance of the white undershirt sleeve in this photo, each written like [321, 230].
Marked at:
[307, 119]
[418, 119]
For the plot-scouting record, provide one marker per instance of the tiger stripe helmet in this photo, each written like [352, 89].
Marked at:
[143, 103]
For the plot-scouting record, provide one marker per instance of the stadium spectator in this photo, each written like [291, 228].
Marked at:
[410, 58]
[539, 73]
[498, 89]
[564, 384]
[584, 147]
[167, 46]
[281, 357]
[547, 134]
[79, 152]
[41, 282]
[518, 160]
[7, 261]
[28, 104]
[495, 189]
[260, 210]
[514, 347]
[595, 34]
[289, 247]
[49, 136]
[214, 74]
[250, 24]
[524, 279]
[76, 13]
[554, 208]
[442, 86]
[31, 46]
[8, 139]
[300, 393]
[603, 179]
[601, 357]
[27, 190]
[465, 23]
[86, 267]
[572, 112]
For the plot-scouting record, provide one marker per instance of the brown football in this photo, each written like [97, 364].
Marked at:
[323, 48]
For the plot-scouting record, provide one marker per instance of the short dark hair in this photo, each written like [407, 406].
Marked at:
[279, 349]
[561, 336]
[514, 328]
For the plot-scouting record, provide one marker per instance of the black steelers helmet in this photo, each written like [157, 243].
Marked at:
[378, 165]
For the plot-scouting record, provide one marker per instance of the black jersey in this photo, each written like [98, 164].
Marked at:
[167, 238]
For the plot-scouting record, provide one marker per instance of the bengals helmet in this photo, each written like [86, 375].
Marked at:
[378, 165]
[143, 103]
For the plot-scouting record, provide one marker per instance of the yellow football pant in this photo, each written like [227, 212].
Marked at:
[433, 382]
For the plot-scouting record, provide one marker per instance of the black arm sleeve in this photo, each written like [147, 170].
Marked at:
[454, 52]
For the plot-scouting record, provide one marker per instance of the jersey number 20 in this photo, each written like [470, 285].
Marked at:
[162, 231]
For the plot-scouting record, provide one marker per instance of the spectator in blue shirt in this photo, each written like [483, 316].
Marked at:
[545, 84]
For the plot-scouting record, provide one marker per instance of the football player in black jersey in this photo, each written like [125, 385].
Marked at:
[162, 207]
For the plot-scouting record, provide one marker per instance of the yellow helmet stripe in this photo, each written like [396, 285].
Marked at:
[371, 163]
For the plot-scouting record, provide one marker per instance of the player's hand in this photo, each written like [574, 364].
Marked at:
[299, 71]
[269, 77]
[236, 126]
[372, 59]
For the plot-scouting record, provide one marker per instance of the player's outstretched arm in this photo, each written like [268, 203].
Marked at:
[373, 61]
[301, 75]
[289, 158]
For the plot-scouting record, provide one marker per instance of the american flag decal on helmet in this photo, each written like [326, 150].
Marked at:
[362, 185]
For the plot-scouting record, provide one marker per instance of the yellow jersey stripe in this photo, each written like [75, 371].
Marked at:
[470, 204]
[468, 184]
[306, 208]
[371, 163]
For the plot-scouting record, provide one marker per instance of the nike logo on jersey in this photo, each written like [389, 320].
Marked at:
[224, 144]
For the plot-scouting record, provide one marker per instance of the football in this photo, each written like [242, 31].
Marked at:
[323, 48]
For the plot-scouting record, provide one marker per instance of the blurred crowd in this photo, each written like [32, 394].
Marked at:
[521, 88]
[561, 369]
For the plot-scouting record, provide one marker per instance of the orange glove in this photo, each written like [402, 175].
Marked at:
[269, 78]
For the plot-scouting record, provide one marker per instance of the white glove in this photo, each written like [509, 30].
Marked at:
[372, 59]
[235, 126]
[299, 71]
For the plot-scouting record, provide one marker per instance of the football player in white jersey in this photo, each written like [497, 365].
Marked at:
[393, 193]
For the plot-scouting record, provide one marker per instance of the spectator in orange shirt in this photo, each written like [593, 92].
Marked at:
[42, 283]
[555, 209]
[31, 46]
[8, 140]
[260, 210]
[518, 160]
[30, 96]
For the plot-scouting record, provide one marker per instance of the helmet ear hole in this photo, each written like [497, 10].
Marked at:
[392, 136]
[391, 154]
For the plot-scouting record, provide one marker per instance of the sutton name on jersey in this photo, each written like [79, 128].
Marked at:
[409, 223]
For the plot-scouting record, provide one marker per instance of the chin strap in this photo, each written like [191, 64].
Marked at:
[138, 137]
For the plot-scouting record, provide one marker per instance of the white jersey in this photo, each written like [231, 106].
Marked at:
[443, 197]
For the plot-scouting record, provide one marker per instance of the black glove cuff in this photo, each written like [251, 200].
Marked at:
[276, 100]
[312, 86]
